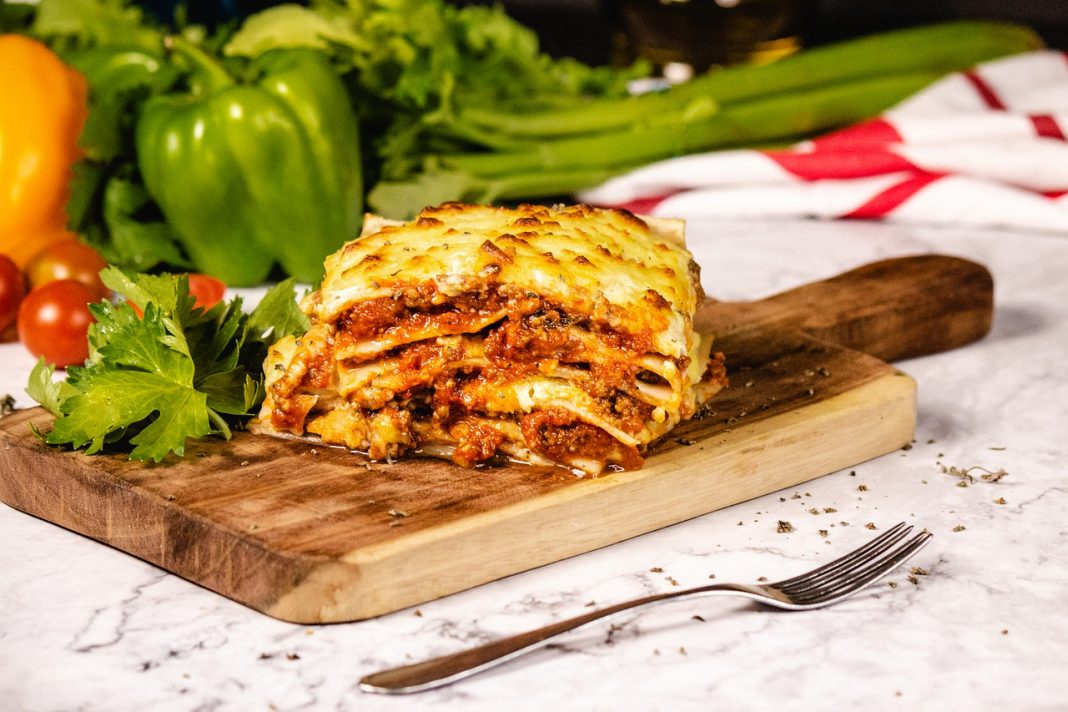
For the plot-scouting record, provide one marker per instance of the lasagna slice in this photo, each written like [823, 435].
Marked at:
[549, 335]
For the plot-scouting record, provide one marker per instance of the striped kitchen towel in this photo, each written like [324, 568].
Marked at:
[984, 148]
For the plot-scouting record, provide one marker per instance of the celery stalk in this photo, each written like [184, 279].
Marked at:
[941, 48]
[565, 165]
[758, 121]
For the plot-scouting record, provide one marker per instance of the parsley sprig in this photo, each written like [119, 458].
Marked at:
[172, 372]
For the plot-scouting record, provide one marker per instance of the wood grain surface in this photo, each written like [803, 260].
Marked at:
[318, 534]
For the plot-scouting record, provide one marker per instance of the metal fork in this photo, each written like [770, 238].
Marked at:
[820, 587]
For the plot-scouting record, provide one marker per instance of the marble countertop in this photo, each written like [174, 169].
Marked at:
[983, 625]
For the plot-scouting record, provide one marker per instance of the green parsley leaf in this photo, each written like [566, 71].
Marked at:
[121, 338]
[215, 341]
[233, 392]
[45, 391]
[111, 399]
[165, 371]
[277, 314]
[141, 289]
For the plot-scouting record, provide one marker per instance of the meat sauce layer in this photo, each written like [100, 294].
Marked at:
[535, 336]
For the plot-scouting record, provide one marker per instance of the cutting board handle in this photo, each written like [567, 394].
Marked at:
[892, 309]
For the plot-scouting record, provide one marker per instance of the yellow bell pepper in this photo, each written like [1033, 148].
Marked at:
[43, 106]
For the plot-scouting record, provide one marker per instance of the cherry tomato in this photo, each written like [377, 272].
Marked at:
[67, 259]
[207, 290]
[54, 320]
[12, 290]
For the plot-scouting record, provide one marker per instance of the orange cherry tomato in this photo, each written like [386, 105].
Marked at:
[67, 259]
[54, 322]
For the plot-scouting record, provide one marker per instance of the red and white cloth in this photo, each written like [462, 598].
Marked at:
[984, 148]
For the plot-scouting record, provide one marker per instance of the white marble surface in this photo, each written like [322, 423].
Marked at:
[86, 627]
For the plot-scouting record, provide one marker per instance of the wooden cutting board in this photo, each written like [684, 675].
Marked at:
[317, 534]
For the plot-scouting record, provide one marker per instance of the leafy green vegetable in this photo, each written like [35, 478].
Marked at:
[415, 66]
[46, 392]
[110, 208]
[86, 23]
[428, 54]
[507, 153]
[173, 373]
[16, 17]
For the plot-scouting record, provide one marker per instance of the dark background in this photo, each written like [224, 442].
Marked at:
[583, 28]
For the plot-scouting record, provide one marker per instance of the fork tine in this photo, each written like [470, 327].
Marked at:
[839, 589]
[848, 564]
[863, 553]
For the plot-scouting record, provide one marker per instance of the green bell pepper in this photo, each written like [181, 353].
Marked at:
[255, 170]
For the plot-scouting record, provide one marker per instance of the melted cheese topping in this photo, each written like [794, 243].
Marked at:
[633, 274]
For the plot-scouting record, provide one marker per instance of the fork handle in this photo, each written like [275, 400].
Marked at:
[443, 670]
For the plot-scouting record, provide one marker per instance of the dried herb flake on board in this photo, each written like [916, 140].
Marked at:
[965, 477]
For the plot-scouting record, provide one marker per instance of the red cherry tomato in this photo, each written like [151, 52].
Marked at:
[12, 290]
[54, 321]
[67, 259]
[207, 290]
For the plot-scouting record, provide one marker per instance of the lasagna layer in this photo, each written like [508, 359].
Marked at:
[547, 335]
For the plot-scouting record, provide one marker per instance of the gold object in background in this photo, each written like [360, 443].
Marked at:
[683, 37]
